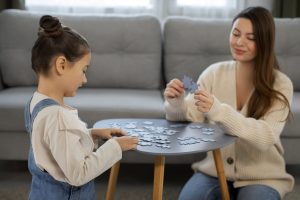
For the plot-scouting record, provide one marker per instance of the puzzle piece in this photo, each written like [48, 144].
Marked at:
[189, 141]
[177, 125]
[208, 140]
[195, 126]
[208, 129]
[165, 146]
[133, 134]
[189, 84]
[148, 122]
[130, 126]
[142, 143]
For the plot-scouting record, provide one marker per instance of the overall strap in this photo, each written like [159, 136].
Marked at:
[29, 117]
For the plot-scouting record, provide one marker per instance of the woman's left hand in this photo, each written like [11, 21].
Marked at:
[204, 100]
[107, 133]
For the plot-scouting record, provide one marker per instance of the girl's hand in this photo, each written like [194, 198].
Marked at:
[174, 89]
[204, 100]
[127, 143]
[107, 133]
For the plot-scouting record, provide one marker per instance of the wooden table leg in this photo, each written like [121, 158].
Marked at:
[221, 174]
[112, 182]
[159, 169]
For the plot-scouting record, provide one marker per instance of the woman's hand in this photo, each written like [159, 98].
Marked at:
[174, 89]
[107, 133]
[204, 100]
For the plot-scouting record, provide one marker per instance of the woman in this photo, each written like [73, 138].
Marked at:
[250, 98]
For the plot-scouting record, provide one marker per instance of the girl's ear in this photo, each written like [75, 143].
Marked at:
[60, 65]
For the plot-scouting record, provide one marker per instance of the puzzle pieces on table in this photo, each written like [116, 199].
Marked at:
[190, 85]
[208, 131]
[195, 126]
[130, 125]
[146, 138]
[177, 125]
[208, 140]
[142, 143]
[133, 134]
[148, 122]
[158, 136]
[165, 146]
[115, 125]
[193, 140]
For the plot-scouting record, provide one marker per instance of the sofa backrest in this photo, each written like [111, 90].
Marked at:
[126, 50]
[191, 45]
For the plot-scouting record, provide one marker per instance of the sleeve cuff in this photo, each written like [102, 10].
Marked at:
[214, 113]
[175, 102]
[116, 147]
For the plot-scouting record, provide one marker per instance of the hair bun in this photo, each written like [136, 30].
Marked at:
[50, 26]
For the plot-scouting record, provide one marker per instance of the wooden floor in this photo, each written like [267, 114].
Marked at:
[135, 181]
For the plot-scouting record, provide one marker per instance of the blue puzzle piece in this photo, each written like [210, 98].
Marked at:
[189, 84]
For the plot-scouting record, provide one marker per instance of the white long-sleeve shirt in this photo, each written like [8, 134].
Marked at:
[257, 154]
[63, 146]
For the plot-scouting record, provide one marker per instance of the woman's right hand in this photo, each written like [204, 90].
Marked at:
[127, 142]
[174, 89]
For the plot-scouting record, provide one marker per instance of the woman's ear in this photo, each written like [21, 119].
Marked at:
[60, 65]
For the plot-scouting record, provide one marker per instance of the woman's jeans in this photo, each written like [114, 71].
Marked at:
[204, 187]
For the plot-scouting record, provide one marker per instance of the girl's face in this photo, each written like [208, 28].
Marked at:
[76, 75]
[242, 40]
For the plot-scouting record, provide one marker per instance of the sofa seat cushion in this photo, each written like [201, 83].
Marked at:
[92, 104]
[292, 127]
[99, 104]
[12, 103]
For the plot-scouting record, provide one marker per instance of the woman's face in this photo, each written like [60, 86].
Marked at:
[242, 40]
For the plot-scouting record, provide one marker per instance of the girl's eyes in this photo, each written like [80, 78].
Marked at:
[84, 70]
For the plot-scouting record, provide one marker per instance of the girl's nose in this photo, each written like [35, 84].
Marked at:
[84, 79]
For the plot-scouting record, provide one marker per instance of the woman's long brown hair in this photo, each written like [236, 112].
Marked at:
[265, 63]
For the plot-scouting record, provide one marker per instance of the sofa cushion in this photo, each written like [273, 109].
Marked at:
[190, 45]
[12, 104]
[92, 105]
[98, 104]
[292, 127]
[16, 70]
[126, 49]
[288, 48]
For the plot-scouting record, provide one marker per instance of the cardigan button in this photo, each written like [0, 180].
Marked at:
[230, 160]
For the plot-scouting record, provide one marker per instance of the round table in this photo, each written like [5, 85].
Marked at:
[179, 138]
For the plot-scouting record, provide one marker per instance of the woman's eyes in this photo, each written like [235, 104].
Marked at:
[252, 38]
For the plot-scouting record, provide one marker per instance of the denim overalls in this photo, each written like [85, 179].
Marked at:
[43, 185]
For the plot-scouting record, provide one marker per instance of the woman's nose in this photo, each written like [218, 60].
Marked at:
[240, 41]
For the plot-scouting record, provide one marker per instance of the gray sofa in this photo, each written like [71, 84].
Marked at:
[133, 58]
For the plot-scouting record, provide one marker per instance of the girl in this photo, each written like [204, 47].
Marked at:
[62, 159]
[250, 98]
